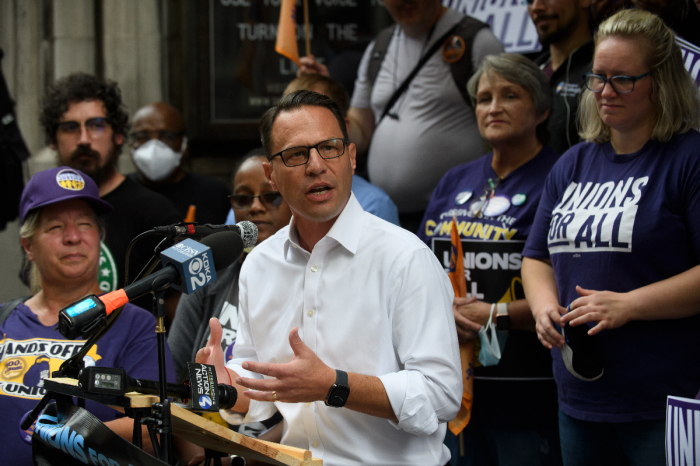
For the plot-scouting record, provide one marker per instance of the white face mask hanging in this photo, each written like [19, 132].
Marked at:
[156, 160]
[492, 342]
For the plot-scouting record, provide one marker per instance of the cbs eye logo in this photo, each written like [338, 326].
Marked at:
[201, 275]
[196, 265]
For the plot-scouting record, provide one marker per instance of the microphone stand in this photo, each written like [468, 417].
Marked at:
[161, 416]
[160, 419]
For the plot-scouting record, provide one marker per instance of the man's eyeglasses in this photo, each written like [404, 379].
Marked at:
[94, 126]
[244, 201]
[139, 138]
[328, 149]
[480, 205]
[620, 84]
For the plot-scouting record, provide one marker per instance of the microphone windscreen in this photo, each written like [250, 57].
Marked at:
[226, 247]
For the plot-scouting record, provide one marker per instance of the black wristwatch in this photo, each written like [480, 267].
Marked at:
[339, 392]
[502, 317]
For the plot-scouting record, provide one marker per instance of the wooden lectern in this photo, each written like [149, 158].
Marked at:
[213, 436]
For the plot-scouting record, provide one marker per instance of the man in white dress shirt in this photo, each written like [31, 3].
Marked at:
[346, 322]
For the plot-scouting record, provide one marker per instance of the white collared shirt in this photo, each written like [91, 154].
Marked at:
[370, 298]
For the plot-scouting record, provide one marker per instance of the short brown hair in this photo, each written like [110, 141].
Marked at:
[294, 101]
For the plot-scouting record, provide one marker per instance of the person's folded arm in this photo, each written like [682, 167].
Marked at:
[674, 298]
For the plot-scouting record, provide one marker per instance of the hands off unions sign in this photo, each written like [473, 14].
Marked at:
[248, 76]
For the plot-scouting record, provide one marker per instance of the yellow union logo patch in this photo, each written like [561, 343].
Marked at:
[13, 368]
[70, 179]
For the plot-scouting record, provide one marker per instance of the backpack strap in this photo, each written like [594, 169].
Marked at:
[10, 306]
[463, 69]
[381, 45]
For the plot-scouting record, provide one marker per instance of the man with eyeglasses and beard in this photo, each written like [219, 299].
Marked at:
[345, 320]
[159, 149]
[563, 29]
[86, 123]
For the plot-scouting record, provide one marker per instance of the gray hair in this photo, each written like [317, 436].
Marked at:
[523, 72]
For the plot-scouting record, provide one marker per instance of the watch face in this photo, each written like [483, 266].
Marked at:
[338, 396]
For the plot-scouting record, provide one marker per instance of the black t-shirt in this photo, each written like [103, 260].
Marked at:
[208, 194]
[136, 209]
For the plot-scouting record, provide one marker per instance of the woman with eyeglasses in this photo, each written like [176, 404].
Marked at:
[253, 199]
[493, 200]
[612, 258]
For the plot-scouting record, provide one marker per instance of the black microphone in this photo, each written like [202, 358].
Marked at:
[225, 394]
[198, 388]
[187, 266]
[245, 229]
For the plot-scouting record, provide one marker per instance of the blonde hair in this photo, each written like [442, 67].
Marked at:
[675, 94]
[27, 231]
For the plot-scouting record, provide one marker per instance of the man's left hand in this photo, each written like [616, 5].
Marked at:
[304, 379]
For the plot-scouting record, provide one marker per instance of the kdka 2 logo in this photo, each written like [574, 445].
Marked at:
[201, 272]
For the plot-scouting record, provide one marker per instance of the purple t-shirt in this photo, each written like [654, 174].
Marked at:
[30, 351]
[519, 392]
[620, 222]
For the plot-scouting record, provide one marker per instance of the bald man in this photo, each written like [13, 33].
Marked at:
[159, 148]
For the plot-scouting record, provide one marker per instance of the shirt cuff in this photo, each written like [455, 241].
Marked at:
[409, 400]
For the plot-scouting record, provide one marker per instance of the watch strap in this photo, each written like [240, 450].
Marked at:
[341, 378]
[501, 309]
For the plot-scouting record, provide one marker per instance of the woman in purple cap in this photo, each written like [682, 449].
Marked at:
[61, 230]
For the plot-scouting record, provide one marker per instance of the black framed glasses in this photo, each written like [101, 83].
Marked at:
[620, 84]
[328, 149]
[139, 138]
[244, 201]
[478, 206]
[95, 127]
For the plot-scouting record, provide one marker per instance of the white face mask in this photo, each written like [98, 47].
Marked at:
[156, 160]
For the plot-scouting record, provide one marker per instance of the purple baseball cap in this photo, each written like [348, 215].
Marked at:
[60, 184]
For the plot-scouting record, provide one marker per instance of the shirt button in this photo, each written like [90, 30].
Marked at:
[310, 313]
[314, 268]
[307, 404]
[294, 246]
[315, 444]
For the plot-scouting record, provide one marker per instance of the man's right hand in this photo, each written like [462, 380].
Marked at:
[309, 65]
[212, 353]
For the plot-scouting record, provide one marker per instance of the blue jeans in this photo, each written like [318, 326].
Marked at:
[504, 447]
[585, 443]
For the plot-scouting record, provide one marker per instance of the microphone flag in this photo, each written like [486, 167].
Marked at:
[195, 263]
[286, 44]
[466, 350]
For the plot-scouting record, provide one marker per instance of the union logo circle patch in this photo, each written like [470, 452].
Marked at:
[453, 49]
[70, 180]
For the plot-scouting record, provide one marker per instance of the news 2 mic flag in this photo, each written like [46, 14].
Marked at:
[195, 263]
